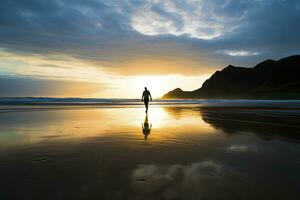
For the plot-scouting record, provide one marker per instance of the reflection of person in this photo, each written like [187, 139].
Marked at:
[145, 98]
[146, 128]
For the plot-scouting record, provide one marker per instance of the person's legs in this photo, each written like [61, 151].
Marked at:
[146, 104]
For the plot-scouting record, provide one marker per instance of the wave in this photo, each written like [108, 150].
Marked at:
[116, 101]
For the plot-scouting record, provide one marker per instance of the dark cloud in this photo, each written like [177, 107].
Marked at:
[104, 31]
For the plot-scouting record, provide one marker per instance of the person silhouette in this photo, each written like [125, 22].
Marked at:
[146, 128]
[145, 98]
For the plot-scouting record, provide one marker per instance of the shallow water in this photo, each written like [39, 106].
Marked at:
[184, 152]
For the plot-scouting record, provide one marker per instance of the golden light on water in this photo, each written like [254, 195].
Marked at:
[84, 123]
[158, 117]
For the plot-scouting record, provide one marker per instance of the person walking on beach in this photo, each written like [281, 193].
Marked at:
[145, 98]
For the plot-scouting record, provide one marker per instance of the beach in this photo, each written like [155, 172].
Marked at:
[179, 150]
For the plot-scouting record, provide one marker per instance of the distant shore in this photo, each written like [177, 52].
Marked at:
[50, 103]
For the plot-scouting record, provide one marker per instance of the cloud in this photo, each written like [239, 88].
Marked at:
[26, 86]
[50, 67]
[152, 37]
[194, 18]
[239, 53]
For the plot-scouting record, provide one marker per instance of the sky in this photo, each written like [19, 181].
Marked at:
[114, 48]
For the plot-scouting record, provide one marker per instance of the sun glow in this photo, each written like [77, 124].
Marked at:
[157, 85]
[133, 86]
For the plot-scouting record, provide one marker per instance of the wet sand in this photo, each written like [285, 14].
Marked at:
[191, 152]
